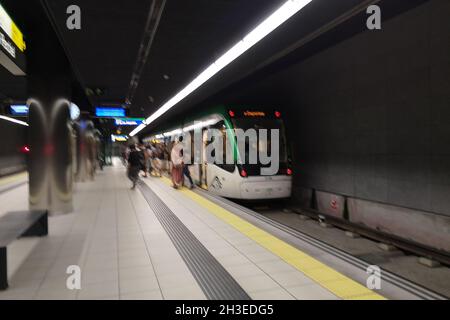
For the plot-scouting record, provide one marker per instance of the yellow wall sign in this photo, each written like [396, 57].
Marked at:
[17, 37]
[11, 29]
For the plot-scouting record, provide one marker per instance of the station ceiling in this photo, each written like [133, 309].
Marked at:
[190, 35]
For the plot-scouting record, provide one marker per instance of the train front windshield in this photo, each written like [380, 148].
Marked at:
[262, 145]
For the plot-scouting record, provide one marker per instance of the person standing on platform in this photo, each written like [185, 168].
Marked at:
[143, 154]
[149, 156]
[91, 147]
[176, 158]
[168, 155]
[134, 165]
[157, 160]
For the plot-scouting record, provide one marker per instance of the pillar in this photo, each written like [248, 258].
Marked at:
[49, 81]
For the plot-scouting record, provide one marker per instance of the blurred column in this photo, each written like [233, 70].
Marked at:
[49, 89]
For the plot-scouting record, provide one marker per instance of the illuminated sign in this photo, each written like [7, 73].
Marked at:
[12, 45]
[129, 121]
[19, 109]
[10, 28]
[119, 138]
[254, 114]
[110, 112]
[8, 46]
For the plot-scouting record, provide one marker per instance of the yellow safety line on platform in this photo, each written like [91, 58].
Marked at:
[12, 178]
[340, 285]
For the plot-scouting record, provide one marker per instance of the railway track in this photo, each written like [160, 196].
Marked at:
[400, 243]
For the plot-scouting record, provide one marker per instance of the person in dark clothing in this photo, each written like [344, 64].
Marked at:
[142, 151]
[186, 171]
[134, 165]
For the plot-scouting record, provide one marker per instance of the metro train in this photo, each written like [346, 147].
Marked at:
[236, 179]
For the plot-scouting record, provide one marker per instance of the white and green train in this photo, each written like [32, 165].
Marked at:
[236, 179]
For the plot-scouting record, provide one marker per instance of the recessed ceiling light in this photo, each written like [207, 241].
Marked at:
[276, 19]
[166, 77]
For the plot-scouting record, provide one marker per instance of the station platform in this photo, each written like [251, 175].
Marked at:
[159, 243]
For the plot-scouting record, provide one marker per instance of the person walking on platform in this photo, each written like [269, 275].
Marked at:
[177, 165]
[186, 172]
[134, 165]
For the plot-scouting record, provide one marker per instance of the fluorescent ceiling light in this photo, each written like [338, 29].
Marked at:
[23, 123]
[136, 130]
[179, 131]
[200, 125]
[176, 132]
[284, 13]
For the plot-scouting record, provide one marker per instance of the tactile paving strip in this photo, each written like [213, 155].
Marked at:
[215, 281]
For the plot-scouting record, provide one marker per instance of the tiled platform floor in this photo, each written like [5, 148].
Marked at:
[124, 252]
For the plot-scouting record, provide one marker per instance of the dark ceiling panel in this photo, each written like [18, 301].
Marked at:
[105, 49]
[103, 53]
[190, 36]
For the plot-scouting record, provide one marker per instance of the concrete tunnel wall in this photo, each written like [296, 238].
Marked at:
[369, 119]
